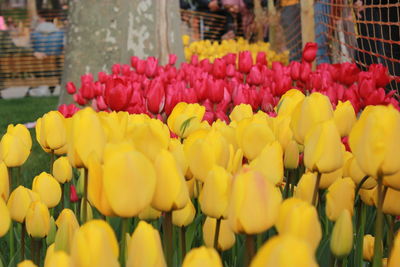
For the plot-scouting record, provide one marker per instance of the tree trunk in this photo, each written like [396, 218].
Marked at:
[32, 11]
[104, 32]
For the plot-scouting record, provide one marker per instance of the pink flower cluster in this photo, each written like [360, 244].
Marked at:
[146, 87]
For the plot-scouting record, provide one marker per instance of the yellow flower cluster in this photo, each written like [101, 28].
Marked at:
[134, 168]
[213, 49]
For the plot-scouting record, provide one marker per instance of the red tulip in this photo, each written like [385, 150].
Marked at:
[380, 73]
[221, 116]
[102, 76]
[209, 116]
[261, 58]
[194, 60]
[116, 69]
[310, 52]
[155, 97]
[68, 110]
[172, 59]
[245, 62]
[100, 103]
[377, 97]
[216, 90]
[219, 68]
[151, 67]
[366, 84]
[126, 70]
[78, 98]
[73, 196]
[305, 71]
[254, 77]
[348, 73]
[134, 61]
[230, 58]
[71, 89]
[345, 142]
[295, 70]
[230, 70]
[117, 94]
[141, 66]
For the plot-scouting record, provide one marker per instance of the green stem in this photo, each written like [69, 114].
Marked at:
[183, 241]
[377, 260]
[316, 187]
[62, 195]
[124, 230]
[360, 235]
[390, 232]
[51, 161]
[33, 249]
[365, 178]
[23, 241]
[39, 248]
[11, 244]
[167, 237]
[216, 234]
[10, 180]
[250, 249]
[85, 193]
[286, 191]
[259, 240]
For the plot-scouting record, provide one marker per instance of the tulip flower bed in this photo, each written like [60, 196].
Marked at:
[308, 180]
[213, 50]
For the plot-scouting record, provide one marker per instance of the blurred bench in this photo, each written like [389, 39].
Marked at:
[22, 70]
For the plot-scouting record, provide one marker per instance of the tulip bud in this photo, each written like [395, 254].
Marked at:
[62, 170]
[241, 112]
[390, 205]
[48, 189]
[367, 196]
[245, 61]
[342, 235]
[89, 212]
[310, 52]
[185, 118]
[368, 247]
[19, 202]
[274, 253]
[52, 232]
[357, 175]
[73, 196]
[59, 259]
[51, 132]
[38, 220]
[344, 117]
[149, 213]
[15, 145]
[305, 187]
[299, 218]
[202, 256]
[5, 218]
[254, 203]
[95, 244]
[26, 263]
[291, 158]
[171, 192]
[340, 196]
[4, 181]
[314, 109]
[185, 216]
[270, 162]
[323, 148]
[144, 247]
[216, 186]
[394, 258]
[288, 102]
[375, 140]
[226, 237]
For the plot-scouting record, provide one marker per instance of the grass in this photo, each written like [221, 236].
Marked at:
[29, 109]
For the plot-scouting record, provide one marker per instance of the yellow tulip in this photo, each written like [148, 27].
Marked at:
[288, 102]
[176, 148]
[48, 189]
[254, 203]
[393, 181]
[299, 218]
[129, 183]
[185, 216]
[151, 137]
[194, 187]
[367, 196]
[185, 118]
[375, 140]
[51, 132]
[394, 259]
[49, 254]
[214, 197]
[89, 211]
[95, 244]
[344, 117]
[171, 192]
[59, 259]
[323, 149]
[96, 187]
[204, 150]
[240, 112]
[312, 110]
[329, 178]
[340, 196]
[185, 39]
[4, 181]
[342, 235]
[202, 256]
[305, 187]
[226, 237]
[227, 131]
[368, 247]
[291, 157]
[149, 213]
[274, 253]
[15, 145]
[390, 203]
[38, 220]
[67, 225]
[83, 143]
[253, 135]
[51, 236]
[26, 263]
[19, 202]
[115, 125]
[144, 247]
[5, 218]
[235, 160]
[270, 162]
[357, 175]
[62, 170]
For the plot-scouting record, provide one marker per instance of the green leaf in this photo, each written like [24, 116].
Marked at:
[186, 124]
